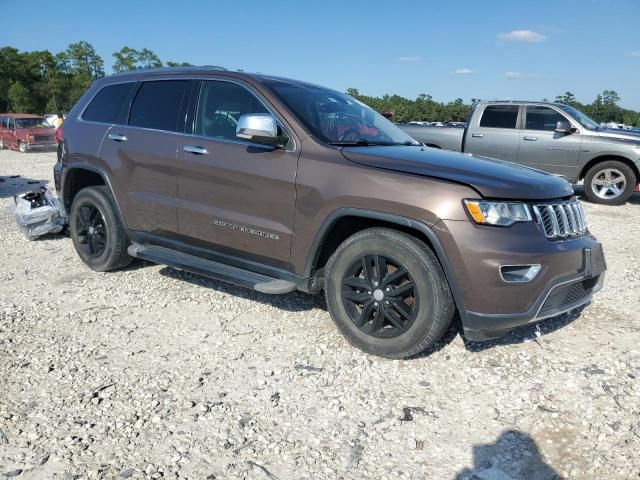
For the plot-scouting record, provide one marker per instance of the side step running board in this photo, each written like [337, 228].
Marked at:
[211, 269]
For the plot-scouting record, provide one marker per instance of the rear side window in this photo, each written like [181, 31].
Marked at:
[499, 116]
[543, 118]
[107, 104]
[157, 105]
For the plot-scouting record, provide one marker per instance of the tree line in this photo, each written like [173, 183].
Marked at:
[605, 107]
[40, 81]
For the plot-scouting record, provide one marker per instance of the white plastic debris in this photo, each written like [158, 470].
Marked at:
[38, 213]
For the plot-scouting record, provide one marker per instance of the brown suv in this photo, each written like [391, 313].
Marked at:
[279, 185]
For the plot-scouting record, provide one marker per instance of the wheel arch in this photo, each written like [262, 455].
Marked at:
[344, 222]
[81, 176]
[605, 158]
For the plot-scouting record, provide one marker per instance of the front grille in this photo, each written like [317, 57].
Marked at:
[43, 138]
[561, 220]
[565, 296]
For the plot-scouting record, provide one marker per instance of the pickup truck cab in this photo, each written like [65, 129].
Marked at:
[552, 137]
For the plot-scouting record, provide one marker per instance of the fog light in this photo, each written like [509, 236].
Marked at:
[519, 273]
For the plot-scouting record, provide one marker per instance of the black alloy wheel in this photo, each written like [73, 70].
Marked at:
[380, 296]
[91, 230]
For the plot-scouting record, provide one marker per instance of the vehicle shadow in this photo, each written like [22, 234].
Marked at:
[526, 333]
[514, 455]
[290, 302]
[12, 185]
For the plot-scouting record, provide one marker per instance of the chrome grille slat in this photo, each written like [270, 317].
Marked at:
[561, 220]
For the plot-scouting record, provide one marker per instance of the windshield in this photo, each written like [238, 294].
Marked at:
[339, 119]
[580, 117]
[32, 123]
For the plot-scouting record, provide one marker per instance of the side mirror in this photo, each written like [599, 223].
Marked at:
[564, 127]
[260, 128]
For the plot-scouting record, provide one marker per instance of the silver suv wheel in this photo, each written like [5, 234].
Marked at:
[609, 183]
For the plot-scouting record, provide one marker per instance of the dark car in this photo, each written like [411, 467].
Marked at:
[25, 132]
[280, 185]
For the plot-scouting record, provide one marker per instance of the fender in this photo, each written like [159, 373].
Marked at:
[411, 223]
[92, 168]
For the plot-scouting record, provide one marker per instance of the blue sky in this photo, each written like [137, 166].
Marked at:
[448, 49]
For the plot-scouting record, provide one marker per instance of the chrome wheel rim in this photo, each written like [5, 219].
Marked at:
[609, 183]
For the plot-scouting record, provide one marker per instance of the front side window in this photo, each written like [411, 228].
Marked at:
[500, 116]
[220, 106]
[157, 105]
[542, 118]
[337, 118]
[37, 122]
[108, 103]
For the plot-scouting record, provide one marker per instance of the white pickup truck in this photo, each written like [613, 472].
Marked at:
[553, 137]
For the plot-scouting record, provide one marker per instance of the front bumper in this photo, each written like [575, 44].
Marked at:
[572, 270]
[41, 146]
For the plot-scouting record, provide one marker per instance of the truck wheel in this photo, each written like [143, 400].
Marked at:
[22, 147]
[609, 183]
[387, 293]
[96, 231]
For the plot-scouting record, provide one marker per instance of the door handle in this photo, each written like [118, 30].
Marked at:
[195, 149]
[116, 137]
[530, 139]
[477, 135]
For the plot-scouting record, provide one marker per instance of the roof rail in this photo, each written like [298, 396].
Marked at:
[172, 69]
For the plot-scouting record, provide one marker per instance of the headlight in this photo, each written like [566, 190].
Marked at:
[488, 212]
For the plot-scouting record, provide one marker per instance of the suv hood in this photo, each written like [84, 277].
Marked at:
[492, 178]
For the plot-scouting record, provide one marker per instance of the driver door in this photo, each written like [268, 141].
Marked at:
[234, 196]
[542, 147]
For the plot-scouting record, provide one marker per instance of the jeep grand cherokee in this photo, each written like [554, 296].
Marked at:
[280, 185]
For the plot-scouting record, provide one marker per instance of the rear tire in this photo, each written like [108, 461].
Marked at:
[387, 293]
[97, 233]
[609, 183]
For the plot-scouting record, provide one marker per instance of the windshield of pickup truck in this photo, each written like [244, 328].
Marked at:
[580, 117]
[339, 119]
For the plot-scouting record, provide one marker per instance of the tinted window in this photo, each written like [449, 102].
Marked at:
[107, 104]
[500, 116]
[157, 105]
[220, 106]
[543, 118]
[11, 123]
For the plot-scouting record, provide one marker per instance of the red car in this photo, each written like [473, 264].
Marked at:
[25, 132]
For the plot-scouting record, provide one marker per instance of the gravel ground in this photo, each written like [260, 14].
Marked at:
[155, 373]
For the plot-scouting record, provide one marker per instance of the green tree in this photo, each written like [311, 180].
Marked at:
[19, 98]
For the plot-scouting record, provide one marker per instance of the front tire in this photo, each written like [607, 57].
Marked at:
[387, 293]
[97, 233]
[609, 183]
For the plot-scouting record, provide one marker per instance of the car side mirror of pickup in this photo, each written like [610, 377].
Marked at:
[564, 127]
[261, 128]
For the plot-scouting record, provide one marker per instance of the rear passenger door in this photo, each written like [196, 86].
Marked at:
[495, 134]
[141, 151]
[234, 196]
[542, 147]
